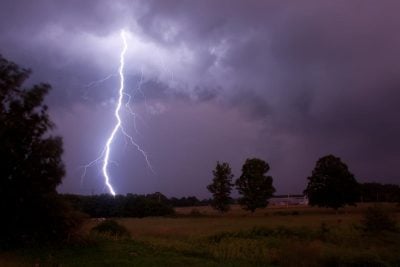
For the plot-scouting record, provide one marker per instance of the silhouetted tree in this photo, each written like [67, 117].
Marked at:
[254, 186]
[221, 187]
[30, 163]
[331, 184]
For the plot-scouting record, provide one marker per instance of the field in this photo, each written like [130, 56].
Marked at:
[275, 236]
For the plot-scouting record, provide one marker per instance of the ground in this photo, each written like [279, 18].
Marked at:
[275, 236]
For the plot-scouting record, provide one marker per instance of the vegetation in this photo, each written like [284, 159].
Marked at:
[377, 192]
[377, 219]
[31, 167]
[254, 187]
[221, 187]
[106, 206]
[331, 184]
[112, 228]
[188, 202]
[315, 237]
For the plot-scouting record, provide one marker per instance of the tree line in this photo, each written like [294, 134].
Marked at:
[130, 205]
[377, 192]
[330, 185]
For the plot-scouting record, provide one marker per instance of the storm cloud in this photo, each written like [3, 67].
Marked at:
[286, 81]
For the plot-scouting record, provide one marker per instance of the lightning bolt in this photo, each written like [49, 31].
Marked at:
[107, 148]
[105, 154]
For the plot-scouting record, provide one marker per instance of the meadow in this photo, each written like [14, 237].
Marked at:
[199, 236]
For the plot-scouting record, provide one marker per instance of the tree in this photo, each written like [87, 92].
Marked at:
[30, 163]
[331, 184]
[221, 187]
[254, 186]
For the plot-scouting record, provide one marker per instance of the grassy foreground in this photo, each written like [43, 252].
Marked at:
[288, 236]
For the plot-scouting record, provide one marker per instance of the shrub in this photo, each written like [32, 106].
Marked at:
[377, 219]
[112, 228]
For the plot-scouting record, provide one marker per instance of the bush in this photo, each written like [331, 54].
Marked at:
[377, 219]
[112, 228]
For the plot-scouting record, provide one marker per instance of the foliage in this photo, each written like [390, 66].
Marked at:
[254, 186]
[331, 184]
[221, 187]
[31, 166]
[377, 192]
[107, 206]
[155, 204]
[377, 219]
[158, 197]
[187, 202]
[111, 227]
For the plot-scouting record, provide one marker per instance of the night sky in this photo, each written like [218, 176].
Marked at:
[286, 81]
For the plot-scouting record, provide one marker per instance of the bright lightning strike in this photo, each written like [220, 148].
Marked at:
[105, 154]
[116, 113]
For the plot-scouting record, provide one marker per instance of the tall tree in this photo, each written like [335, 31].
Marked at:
[221, 187]
[30, 162]
[331, 184]
[254, 186]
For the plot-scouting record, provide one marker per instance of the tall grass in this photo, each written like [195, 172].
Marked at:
[273, 237]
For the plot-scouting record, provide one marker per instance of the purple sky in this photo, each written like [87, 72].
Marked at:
[286, 81]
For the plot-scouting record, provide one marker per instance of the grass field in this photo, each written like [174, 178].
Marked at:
[276, 236]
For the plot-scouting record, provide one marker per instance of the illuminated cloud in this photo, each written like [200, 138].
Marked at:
[221, 80]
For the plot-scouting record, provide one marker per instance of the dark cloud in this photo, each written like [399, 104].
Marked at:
[287, 81]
